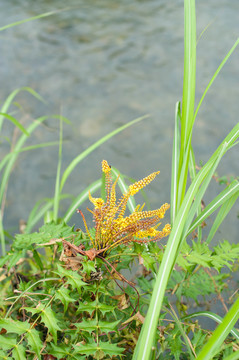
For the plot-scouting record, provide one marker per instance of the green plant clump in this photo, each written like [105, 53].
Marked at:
[122, 289]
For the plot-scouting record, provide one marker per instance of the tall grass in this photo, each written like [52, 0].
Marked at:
[45, 208]
[186, 212]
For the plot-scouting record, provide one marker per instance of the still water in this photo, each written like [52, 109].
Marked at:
[102, 64]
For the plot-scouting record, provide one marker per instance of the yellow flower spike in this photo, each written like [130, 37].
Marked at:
[134, 188]
[166, 230]
[113, 194]
[105, 167]
[113, 228]
[98, 202]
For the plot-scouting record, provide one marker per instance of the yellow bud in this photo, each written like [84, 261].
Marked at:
[105, 167]
[134, 188]
[98, 202]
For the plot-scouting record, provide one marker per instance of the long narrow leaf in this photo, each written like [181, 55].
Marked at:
[192, 172]
[58, 175]
[91, 148]
[175, 163]
[218, 319]
[29, 19]
[233, 356]
[143, 348]
[215, 75]
[214, 344]
[11, 97]
[26, 148]
[226, 207]
[123, 187]
[80, 199]
[15, 122]
[189, 81]
[224, 196]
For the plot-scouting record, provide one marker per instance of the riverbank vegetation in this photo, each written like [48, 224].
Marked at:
[126, 287]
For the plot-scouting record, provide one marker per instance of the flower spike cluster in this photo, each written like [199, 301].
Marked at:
[113, 228]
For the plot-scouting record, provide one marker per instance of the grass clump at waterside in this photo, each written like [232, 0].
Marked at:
[67, 292]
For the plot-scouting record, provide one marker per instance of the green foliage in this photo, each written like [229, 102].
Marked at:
[74, 309]
[60, 305]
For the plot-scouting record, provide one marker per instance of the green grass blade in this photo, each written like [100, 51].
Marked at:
[218, 319]
[58, 175]
[187, 342]
[219, 335]
[189, 81]
[143, 348]
[192, 172]
[224, 196]
[189, 78]
[29, 19]
[201, 191]
[80, 199]
[94, 146]
[37, 213]
[15, 122]
[226, 207]
[2, 236]
[11, 97]
[13, 158]
[10, 163]
[175, 163]
[215, 75]
[26, 148]
[123, 188]
[234, 356]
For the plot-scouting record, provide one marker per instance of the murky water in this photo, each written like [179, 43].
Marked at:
[102, 64]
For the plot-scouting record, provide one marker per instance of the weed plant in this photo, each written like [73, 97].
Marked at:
[78, 297]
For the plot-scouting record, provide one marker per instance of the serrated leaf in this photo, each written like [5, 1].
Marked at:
[7, 343]
[224, 255]
[14, 326]
[61, 351]
[103, 326]
[4, 356]
[18, 353]
[63, 295]
[199, 259]
[46, 233]
[48, 317]
[148, 261]
[72, 278]
[94, 305]
[34, 341]
[91, 349]
[38, 260]
[88, 267]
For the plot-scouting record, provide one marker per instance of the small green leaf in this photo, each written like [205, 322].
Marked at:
[34, 341]
[4, 356]
[14, 326]
[103, 326]
[72, 278]
[48, 317]
[91, 349]
[94, 305]
[7, 343]
[38, 260]
[88, 267]
[18, 353]
[63, 295]
[15, 122]
[63, 351]
[46, 233]
[14, 257]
